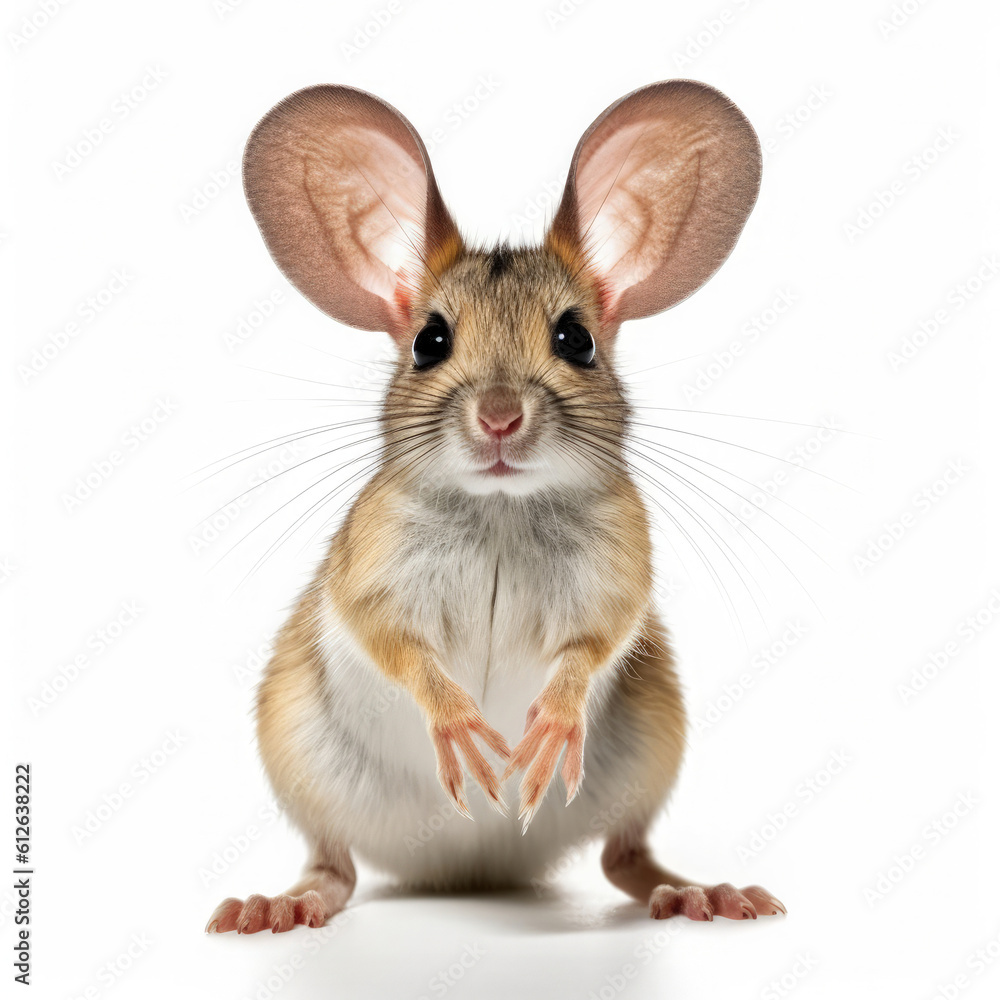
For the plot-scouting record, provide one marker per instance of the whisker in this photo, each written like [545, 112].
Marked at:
[720, 507]
[618, 466]
[312, 485]
[724, 547]
[324, 454]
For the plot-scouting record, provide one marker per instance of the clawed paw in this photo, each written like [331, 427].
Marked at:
[723, 900]
[277, 913]
[459, 731]
[546, 733]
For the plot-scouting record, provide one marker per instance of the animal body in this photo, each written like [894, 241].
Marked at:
[485, 610]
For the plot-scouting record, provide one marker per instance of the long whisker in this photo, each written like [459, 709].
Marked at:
[312, 485]
[298, 465]
[670, 451]
[716, 537]
[725, 510]
[616, 465]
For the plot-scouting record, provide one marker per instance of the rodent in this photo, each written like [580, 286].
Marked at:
[488, 595]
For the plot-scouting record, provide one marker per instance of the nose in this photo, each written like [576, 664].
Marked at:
[499, 411]
[500, 425]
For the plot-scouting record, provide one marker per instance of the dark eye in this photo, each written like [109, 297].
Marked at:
[572, 341]
[433, 343]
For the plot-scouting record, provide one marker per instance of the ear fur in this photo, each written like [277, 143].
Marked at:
[342, 189]
[658, 191]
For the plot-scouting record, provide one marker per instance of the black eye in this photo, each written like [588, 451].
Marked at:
[433, 343]
[572, 341]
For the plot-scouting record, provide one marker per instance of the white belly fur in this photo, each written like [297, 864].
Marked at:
[369, 747]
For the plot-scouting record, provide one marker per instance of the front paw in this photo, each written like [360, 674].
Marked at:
[550, 727]
[457, 728]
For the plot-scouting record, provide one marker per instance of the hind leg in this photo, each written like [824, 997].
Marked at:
[290, 689]
[629, 865]
[322, 891]
[653, 707]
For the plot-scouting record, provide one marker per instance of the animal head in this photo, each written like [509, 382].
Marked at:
[505, 380]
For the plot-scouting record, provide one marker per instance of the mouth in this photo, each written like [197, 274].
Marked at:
[499, 468]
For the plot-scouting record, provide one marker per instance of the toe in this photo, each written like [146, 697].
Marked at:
[254, 915]
[727, 901]
[763, 901]
[310, 910]
[225, 916]
[691, 902]
[281, 916]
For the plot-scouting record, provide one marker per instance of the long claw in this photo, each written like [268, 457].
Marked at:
[451, 773]
[538, 753]
[572, 769]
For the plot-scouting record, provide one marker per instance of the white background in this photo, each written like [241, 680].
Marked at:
[866, 227]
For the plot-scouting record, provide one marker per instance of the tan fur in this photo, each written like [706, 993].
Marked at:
[652, 691]
[563, 547]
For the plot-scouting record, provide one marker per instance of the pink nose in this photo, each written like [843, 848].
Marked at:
[500, 425]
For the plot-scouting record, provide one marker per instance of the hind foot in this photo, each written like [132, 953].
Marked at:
[723, 900]
[279, 913]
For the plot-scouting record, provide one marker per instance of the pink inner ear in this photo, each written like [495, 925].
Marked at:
[624, 232]
[377, 193]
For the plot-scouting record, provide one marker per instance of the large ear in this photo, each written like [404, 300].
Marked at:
[342, 190]
[658, 191]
